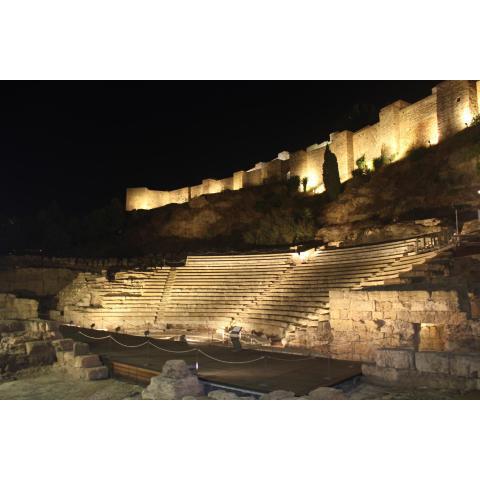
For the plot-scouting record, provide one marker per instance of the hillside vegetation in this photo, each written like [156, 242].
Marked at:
[372, 206]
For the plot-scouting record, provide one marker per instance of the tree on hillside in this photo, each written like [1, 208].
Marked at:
[304, 183]
[331, 177]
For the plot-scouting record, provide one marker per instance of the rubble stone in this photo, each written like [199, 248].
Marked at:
[326, 393]
[278, 395]
[175, 382]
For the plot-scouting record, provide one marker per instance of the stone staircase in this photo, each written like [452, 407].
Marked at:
[75, 359]
[167, 289]
[209, 292]
[412, 268]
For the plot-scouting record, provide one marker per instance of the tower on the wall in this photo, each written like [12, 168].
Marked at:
[389, 128]
[456, 106]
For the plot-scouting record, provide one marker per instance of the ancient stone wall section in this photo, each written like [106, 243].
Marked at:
[401, 127]
[36, 282]
[13, 308]
[410, 369]
[363, 321]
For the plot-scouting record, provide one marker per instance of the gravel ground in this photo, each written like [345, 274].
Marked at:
[49, 383]
[359, 389]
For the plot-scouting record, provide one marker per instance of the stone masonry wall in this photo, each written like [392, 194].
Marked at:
[37, 282]
[362, 321]
[413, 369]
[401, 127]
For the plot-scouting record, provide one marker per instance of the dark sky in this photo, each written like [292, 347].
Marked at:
[82, 143]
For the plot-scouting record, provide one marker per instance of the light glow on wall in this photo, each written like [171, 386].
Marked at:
[313, 181]
[467, 116]
[319, 189]
[433, 137]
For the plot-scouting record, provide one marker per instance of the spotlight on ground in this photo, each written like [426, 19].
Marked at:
[117, 330]
[92, 326]
[146, 333]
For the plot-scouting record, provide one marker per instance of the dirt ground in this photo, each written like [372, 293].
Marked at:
[49, 383]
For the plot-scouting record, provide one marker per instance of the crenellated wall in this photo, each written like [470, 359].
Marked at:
[401, 126]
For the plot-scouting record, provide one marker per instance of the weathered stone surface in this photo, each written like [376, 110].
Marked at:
[95, 373]
[278, 395]
[382, 375]
[7, 326]
[326, 393]
[175, 382]
[87, 361]
[26, 308]
[80, 348]
[465, 365]
[68, 358]
[63, 344]
[432, 362]
[222, 395]
[395, 358]
[55, 315]
[163, 388]
[175, 369]
[40, 353]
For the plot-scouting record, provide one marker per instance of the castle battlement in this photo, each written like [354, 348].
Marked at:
[401, 127]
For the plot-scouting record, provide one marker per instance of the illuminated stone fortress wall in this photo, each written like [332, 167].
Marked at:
[401, 126]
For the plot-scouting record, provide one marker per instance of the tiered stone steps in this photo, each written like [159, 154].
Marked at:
[75, 358]
[209, 291]
[403, 270]
[130, 300]
[301, 297]
[264, 293]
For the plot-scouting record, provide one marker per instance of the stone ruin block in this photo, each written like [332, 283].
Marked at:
[40, 353]
[432, 362]
[80, 348]
[87, 361]
[175, 382]
[465, 365]
[63, 344]
[395, 358]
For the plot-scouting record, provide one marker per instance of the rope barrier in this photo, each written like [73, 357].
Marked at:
[148, 342]
[227, 361]
[263, 357]
[129, 346]
[172, 351]
[95, 338]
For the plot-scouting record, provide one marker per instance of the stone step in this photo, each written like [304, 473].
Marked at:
[87, 361]
[63, 345]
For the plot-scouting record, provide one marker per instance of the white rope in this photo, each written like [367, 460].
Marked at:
[95, 338]
[172, 351]
[148, 342]
[226, 361]
[129, 346]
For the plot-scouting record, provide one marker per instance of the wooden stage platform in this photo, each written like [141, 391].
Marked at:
[276, 371]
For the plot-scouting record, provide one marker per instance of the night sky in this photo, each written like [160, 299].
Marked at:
[82, 143]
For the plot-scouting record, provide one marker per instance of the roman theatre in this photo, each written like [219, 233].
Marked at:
[407, 308]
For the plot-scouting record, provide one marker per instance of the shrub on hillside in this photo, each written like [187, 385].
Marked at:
[381, 161]
[281, 228]
[304, 183]
[293, 184]
[362, 165]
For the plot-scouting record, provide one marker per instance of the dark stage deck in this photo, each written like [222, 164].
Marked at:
[276, 371]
